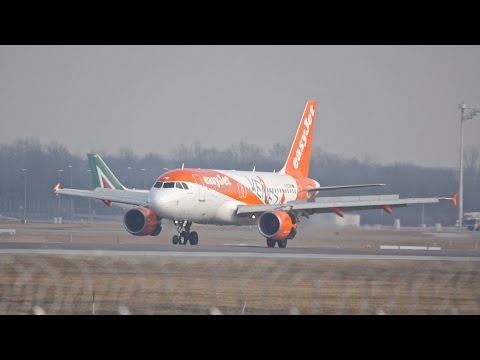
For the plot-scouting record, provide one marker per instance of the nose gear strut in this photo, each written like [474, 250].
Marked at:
[184, 234]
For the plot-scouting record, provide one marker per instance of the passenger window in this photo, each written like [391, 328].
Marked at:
[168, 185]
[185, 186]
[158, 184]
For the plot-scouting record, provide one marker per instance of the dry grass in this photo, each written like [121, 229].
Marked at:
[162, 285]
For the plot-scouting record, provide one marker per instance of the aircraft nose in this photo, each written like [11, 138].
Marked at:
[161, 202]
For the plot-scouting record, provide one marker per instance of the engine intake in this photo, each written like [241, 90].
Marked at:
[142, 221]
[276, 225]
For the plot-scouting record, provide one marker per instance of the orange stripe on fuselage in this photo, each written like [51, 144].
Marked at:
[216, 181]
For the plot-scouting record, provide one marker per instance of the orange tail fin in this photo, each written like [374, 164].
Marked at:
[298, 161]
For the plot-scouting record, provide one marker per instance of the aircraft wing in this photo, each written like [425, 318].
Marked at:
[338, 204]
[128, 197]
[343, 187]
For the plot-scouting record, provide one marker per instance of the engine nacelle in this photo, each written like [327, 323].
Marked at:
[142, 221]
[276, 225]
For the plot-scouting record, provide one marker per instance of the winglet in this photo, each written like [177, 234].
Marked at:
[454, 199]
[56, 187]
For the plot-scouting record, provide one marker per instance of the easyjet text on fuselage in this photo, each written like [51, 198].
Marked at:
[217, 181]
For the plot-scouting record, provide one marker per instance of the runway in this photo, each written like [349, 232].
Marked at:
[228, 251]
[311, 242]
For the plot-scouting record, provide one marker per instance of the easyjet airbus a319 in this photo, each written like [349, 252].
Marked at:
[274, 202]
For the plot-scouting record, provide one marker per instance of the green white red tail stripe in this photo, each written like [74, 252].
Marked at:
[102, 176]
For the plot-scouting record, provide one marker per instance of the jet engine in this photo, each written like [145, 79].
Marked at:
[142, 221]
[277, 225]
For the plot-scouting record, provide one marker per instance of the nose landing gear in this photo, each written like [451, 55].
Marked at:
[184, 234]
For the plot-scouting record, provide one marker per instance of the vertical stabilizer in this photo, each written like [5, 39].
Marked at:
[298, 161]
[102, 176]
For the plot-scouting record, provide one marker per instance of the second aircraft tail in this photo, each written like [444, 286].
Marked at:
[102, 176]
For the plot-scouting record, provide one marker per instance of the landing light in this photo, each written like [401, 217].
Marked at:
[253, 216]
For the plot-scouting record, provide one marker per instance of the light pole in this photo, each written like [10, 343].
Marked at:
[144, 182]
[463, 118]
[25, 196]
[89, 202]
[423, 215]
[71, 185]
[58, 203]
[130, 176]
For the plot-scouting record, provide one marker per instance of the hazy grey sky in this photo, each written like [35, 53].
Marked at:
[393, 103]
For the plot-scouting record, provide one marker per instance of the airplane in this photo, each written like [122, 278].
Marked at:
[273, 201]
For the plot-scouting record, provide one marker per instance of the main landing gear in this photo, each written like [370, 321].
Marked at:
[184, 234]
[281, 243]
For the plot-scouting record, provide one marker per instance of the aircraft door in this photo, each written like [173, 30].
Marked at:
[201, 188]
[242, 192]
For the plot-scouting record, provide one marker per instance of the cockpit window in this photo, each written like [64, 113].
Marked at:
[170, 185]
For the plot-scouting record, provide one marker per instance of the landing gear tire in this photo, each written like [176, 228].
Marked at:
[193, 238]
[271, 243]
[282, 243]
[184, 234]
[292, 234]
[175, 239]
[183, 238]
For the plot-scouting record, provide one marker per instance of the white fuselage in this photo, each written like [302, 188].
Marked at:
[213, 196]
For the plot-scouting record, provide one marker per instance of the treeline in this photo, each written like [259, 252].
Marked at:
[47, 164]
